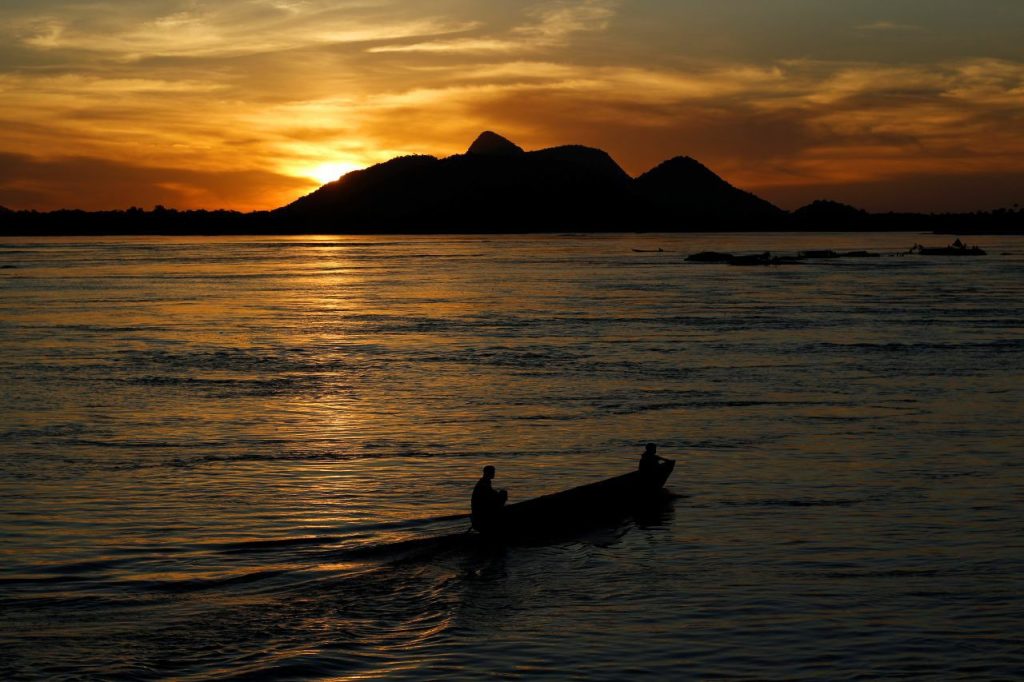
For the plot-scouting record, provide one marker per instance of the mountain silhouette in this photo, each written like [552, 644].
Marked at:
[825, 214]
[496, 186]
[493, 144]
[683, 189]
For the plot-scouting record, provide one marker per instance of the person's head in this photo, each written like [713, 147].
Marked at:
[488, 471]
[651, 449]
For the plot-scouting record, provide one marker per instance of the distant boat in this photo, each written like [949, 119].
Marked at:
[648, 250]
[957, 248]
[582, 506]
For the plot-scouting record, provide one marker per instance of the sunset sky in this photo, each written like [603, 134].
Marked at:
[246, 104]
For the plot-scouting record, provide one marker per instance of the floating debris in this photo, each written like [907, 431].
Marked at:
[754, 259]
[767, 258]
[710, 257]
[827, 253]
[957, 248]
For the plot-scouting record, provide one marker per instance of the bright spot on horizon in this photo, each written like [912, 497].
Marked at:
[330, 171]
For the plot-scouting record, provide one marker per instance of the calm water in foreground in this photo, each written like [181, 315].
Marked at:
[251, 457]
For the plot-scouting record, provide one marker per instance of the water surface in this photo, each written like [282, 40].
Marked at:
[251, 457]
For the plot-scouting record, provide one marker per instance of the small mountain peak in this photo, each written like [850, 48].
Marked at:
[683, 169]
[489, 143]
[685, 163]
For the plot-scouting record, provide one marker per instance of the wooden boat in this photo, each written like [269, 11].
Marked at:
[580, 507]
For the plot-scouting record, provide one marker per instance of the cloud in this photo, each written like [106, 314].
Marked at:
[794, 124]
[101, 184]
[553, 23]
[226, 29]
[453, 45]
[920, 192]
[889, 27]
[548, 25]
[278, 88]
[791, 124]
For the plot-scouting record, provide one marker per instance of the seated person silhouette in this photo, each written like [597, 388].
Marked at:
[649, 461]
[487, 502]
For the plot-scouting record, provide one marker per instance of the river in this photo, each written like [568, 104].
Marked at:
[245, 458]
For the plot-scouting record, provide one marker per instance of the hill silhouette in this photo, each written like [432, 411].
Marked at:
[497, 186]
[493, 144]
[684, 190]
[831, 213]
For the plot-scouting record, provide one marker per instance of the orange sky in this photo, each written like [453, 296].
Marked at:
[247, 104]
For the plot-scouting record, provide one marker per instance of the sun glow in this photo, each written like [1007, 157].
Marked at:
[331, 171]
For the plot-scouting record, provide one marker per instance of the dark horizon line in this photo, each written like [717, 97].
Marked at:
[160, 221]
[160, 208]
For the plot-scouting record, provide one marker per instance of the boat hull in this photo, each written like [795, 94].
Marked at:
[581, 507]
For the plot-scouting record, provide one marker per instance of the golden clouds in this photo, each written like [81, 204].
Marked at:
[888, 26]
[96, 184]
[226, 29]
[304, 88]
[547, 26]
